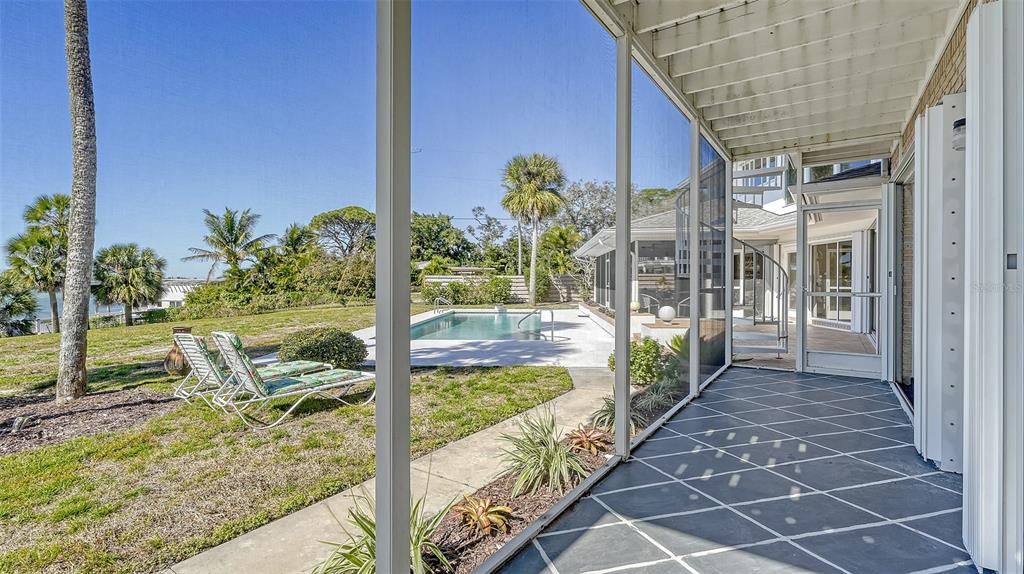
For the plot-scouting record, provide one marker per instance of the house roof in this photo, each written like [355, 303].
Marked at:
[853, 173]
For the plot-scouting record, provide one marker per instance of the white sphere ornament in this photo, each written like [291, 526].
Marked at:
[667, 313]
[634, 306]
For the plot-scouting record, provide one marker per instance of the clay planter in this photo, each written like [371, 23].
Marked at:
[174, 362]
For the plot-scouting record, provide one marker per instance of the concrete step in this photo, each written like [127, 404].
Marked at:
[754, 350]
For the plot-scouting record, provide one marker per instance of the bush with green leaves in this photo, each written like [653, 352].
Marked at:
[538, 459]
[604, 416]
[358, 556]
[497, 290]
[646, 361]
[493, 290]
[331, 345]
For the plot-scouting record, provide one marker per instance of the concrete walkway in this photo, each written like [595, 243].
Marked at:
[293, 544]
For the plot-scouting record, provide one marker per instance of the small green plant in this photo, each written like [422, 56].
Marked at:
[539, 459]
[497, 290]
[483, 516]
[646, 361]
[331, 345]
[656, 396]
[590, 439]
[604, 416]
[359, 555]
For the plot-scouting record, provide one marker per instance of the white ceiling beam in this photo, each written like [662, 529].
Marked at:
[928, 20]
[844, 48]
[654, 14]
[768, 124]
[817, 97]
[813, 143]
[866, 72]
[759, 172]
[740, 20]
[875, 150]
[889, 121]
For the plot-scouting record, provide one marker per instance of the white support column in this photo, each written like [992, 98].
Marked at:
[728, 261]
[694, 254]
[392, 491]
[623, 151]
[801, 263]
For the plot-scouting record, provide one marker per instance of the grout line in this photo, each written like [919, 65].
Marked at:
[944, 567]
[544, 556]
[643, 534]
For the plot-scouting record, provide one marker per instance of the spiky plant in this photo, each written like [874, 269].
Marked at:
[481, 515]
[539, 459]
[657, 396]
[359, 555]
[604, 417]
[590, 439]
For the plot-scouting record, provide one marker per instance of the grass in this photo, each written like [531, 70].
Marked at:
[139, 500]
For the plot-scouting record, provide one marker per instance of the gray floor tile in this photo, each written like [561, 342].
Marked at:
[729, 406]
[583, 514]
[852, 441]
[858, 380]
[786, 387]
[780, 401]
[891, 549]
[577, 552]
[527, 561]
[897, 416]
[663, 432]
[779, 451]
[945, 527]
[858, 422]
[859, 405]
[948, 480]
[740, 392]
[806, 428]
[820, 395]
[693, 465]
[901, 459]
[666, 567]
[693, 411]
[673, 445]
[835, 472]
[863, 390]
[817, 410]
[655, 500]
[745, 435]
[773, 558]
[804, 514]
[769, 415]
[746, 486]
[903, 433]
[628, 474]
[694, 533]
[901, 498]
[705, 424]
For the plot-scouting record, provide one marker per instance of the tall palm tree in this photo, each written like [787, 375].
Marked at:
[17, 307]
[230, 239]
[71, 375]
[50, 212]
[37, 259]
[128, 276]
[296, 241]
[532, 193]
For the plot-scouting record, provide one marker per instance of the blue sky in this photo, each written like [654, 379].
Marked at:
[270, 105]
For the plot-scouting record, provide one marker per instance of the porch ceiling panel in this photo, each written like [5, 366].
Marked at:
[825, 77]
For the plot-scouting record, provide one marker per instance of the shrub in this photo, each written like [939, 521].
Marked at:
[656, 396]
[482, 516]
[590, 439]
[359, 554]
[326, 345]
[604, 416]
[497, 290]
[646, 361]
[538, 459]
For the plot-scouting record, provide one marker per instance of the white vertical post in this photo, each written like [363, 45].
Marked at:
[728, 261]
[694, 253]
[801, 263]
[623, 151]
[393, 204]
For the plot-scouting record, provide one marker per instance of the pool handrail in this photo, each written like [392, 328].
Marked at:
[539, 313]
[438, 301]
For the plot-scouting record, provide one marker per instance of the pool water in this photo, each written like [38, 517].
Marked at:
[480, 326]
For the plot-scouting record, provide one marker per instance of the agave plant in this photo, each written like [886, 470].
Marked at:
[539, 459]
[604, 417]
[590, 439]
[359, 556]
[483, 516]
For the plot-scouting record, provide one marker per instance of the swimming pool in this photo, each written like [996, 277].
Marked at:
[483, 326]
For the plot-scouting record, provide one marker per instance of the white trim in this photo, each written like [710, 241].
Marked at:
[801, 265]
[727, 254]
[623, 292]
[693, 253]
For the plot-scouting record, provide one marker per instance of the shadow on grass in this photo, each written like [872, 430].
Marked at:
[118, 377]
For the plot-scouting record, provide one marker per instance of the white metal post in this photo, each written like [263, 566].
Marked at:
[394, 41]
[801, 256]
[694, 255]
[623, 128]
[727, 261]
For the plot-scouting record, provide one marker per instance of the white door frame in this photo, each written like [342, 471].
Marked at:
[844, 363]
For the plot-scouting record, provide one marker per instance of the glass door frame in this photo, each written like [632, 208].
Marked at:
[838, 362]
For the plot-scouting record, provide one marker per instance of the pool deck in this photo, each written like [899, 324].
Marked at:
[579, 342]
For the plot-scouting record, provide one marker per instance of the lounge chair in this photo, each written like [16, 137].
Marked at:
[205, 378]
[251, 388]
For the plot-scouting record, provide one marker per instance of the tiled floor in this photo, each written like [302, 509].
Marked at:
[818, 339]
[766, 472]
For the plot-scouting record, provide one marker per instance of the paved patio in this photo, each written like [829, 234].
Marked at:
[818, 339]
[768, 473]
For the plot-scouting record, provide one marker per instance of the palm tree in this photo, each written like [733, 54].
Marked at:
[297, 240]
[532, 183]
[128, 276]
[50, 212]
[230, 240]
[36, 259]
[17, 307]
[71, 375]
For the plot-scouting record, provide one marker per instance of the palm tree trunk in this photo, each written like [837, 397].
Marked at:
[533, 263]
[54, 318]
[128, 315]
[71, 376]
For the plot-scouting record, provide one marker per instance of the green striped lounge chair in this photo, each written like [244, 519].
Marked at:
[253, 388]
[206, 379]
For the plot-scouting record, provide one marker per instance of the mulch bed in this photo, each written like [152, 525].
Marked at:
[467, 550]
[94, 413]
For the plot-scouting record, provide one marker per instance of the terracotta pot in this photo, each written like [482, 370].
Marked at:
[174, 362]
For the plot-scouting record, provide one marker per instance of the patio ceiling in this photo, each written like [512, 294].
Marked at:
[830, 78]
